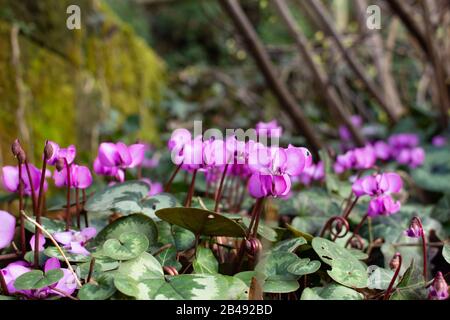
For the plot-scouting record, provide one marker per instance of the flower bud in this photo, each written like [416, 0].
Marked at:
[16, 148]
[21, 157]
[253, 246]
[48, 150]
[59, 164]
[415, 229]
[439, 289]
[395, 262]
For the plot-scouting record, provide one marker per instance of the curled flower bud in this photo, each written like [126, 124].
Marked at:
[21, 156]
[439, 289]
[59, 164]
[253, 246]
[48, 150]
[395, 262]
[16, 148]
[415, 229]
[171, 271]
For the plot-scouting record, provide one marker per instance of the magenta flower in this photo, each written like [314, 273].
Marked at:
[415, 229]
[115, 172]
[10, 179]
[439, 141]
[120, 155]
[361, 158]
[269, 129]
[68, 153]
[7, 228]
[66, 284]
[41, 242]
[11, 272]
[80, 177]
[379, 187]
[382, 150]
[74, 241]
[403, 140]
[405, 149]
[315, 172]
[272, 170]
[411, 157]
[179, 138]
[439, 289]
[190, 155]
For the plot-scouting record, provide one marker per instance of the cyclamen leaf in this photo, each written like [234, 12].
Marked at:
[36, 279]
[128, 246]
[103, 290]
[205, 262]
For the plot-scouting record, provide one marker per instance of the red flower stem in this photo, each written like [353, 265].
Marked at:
[91, 270]
[424, 249]
[3, 284]
[33, 194]
[68, 215]
[77, 206]
[349, 209]
[391, 284]
[188, 201]
[172, 177]
[86, 220]
[37, 232]
[219, 190]
[23, 246]
[258, 218]
[356, 231]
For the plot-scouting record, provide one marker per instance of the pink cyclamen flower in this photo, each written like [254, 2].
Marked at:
[80, 177]
[403, 140]
[74, 241]
[115, 172]
[439, 141]
[270, 129]
[382, 150]
[7, 228]
[68, 153]
[411, 157]
[379, 187]
[10, 179]
[315, 172]
[120, 155]
[272, 170]
[415, 229]
[439, 289]
[405, 149]
[179, 138]
[11, 272]
[360, 158]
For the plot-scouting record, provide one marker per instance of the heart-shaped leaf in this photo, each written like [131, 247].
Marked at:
[346, 268]
[126, 285]
[290, 245]
[36, 279]
[304, 266]
[193, 287]
[202, 222]
[102, 290]
[275, 267]
[158, 202]
[331, 292]
[128, 246]
[132, 223]
[169, 258]
[51, 225]
[379, 278]
[205, 262]
[142, 268]
[124, 198]
[181, 238]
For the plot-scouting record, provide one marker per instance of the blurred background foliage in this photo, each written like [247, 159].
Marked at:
[139, 68]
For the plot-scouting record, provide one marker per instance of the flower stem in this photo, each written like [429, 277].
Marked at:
[23, 246]
[172, 177]
[33, 194]
[39, 208]
[68, 215]
[77, 206]
[350, 208]
[219, 191]
[86, 220]
[188, 201]
[356, 231]
[424, 248]
[391, 284]
[91, 270]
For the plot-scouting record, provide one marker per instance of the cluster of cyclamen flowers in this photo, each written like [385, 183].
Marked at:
[268, 170]
[402, 148]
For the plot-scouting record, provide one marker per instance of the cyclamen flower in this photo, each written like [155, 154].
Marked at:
[272, 170]
[57, 153]
[439, 289]
[120, 155]
[270, 129]
[379, 187]
[7, 228]
[382, 150]
[41, 242]
[11, 272]
[439, 141]
[80, 177]
[415, 229]
[74, 241]
[405, 149]
[10, 179]
[315, 172]
[115, 172]
[360, 158]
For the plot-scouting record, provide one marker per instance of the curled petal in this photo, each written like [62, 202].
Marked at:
[257, 186]
[124, 154]
[82, 177]
[295, 161]
[41, 242]
[10, 178]
[89, 233]
[77, 248]
[137, 152]
[108, 154]
[63, 237]
[281, 185]
[391, 183]
[51, 264]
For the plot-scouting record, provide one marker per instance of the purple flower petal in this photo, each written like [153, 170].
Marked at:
[108, 154]
[77, 248]
[257, 186]
[88, 233]
[63, 237]
[281, 185]
[7, 228]
[137, 152]
[124, 154]
[82, 177]
[51, 264]
[295, 162]
[41, 242]
[10, 178]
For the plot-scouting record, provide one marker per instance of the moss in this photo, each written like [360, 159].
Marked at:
[74, 79]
